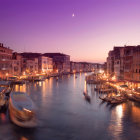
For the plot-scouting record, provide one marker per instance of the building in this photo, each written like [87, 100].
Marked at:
[16, 64]
[81, 67]
[5, 61]
[118, 62]
[124, 63]
[74, 67]
[61, 62]
[136, 64]
[128, 62]
[110, 63]
[45, 64]
[136, 67]
[30, 63]
[104, 67]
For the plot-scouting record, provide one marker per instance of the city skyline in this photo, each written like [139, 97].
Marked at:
[84, 29]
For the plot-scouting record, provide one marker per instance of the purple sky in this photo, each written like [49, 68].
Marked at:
[48, 26]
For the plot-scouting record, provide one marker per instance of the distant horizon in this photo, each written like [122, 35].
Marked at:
[101, 62]
[52, 52]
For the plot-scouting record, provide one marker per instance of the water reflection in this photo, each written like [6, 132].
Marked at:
[63, 113]
[85, 86]
[21, 88]
[23, 138]
[74, 80]
[116, 126]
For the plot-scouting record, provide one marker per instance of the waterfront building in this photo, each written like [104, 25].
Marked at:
[61, 62]
[16, 64]
[128, 62]
[86, 67]
[104, 67]
[110, 63]
[124, 64]
[74, 67]
[136, 67]
[81, 67]
[45, 64]
[118, 63]
[30, 63]
[5, 61]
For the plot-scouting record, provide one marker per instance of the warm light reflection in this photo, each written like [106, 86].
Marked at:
[43, 89]
[116, 126]
[80, 78]
[51, 84]
[119, 111]
[85, 86]
[136, 114]
[23, 138]
[40, 84]
[19, 88]
[74, 80]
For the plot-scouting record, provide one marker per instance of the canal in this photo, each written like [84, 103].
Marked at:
[64, 114]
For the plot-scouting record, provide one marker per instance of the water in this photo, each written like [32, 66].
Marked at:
[64, 114]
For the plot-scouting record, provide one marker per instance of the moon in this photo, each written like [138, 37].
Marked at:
[73, 15]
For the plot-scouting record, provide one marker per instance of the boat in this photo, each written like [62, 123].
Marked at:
[87, 97]
[3, 98]
[22, 110]
[118, 100]
[134, 97]
[102, 98]
[8, 87]
[57, 78]
[106, 98]
[18, 82]
[105, 90]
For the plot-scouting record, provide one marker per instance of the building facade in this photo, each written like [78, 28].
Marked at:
[125, 65]
[45, 64]
[16, 64]
[5, 61]
[136, 67]
[61, 62]
[30, 63]
[110, 63]
[128, 62]
[118, 63]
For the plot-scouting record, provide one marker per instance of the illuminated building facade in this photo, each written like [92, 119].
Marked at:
[110, 63]
[5, 61]
[16, 64]
[61, 62]
[45, 64]
[30, 63]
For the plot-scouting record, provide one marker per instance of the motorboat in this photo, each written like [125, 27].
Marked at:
[22, 110]
[3, 98]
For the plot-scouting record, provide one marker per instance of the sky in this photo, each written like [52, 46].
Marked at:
[84, 29]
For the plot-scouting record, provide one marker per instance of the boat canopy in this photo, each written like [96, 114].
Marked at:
[21, 101]
[123, 86]
[5, 83]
